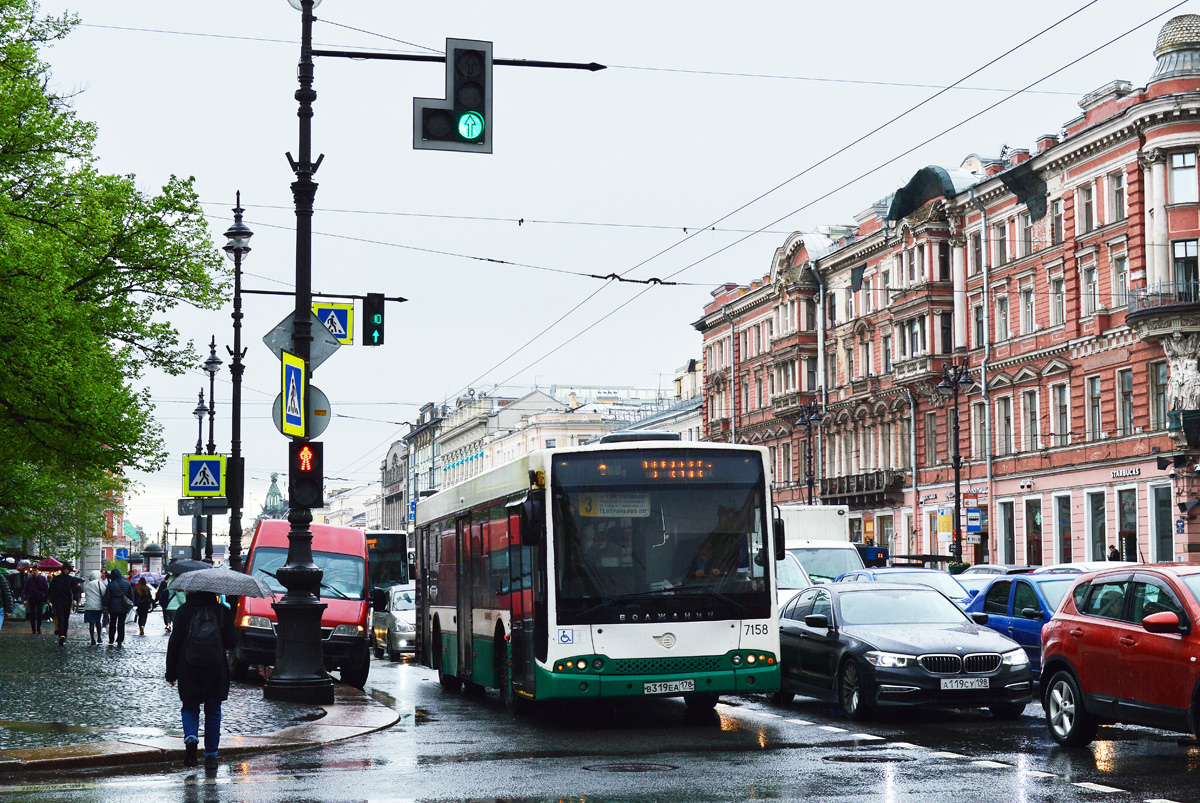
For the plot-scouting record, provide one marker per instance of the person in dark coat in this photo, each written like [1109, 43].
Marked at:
[34, 591]
[207, 686]
[118, 600]
[143, 600]
[6, 599]
[61, 594]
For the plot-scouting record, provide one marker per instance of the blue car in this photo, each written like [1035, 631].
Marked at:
[1018, 605]
[934, 578]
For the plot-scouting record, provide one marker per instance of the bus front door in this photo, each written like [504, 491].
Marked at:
[520, 568]
[462, 528]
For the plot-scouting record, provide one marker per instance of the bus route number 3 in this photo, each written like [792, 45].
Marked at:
[755, 630]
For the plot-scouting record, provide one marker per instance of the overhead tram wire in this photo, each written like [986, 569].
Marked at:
[854, 180]
[779, 186]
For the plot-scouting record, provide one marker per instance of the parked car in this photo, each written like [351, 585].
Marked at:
[1123, 647]
[997, 568]
[790, 578]
[934, 578]
[1079, 567]
[394, 620]
[1019, 606]
[865, 646]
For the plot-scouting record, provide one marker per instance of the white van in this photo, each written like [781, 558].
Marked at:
[824, 559]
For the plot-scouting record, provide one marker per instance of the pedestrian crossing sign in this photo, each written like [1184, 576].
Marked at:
[294, 384]
[338, 319]
[204, 475]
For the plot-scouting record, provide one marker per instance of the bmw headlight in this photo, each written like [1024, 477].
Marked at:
[889, 660]
[1016, 658]
[257, 622]
[348, 630]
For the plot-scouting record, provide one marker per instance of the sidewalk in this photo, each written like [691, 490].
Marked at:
[89, 706]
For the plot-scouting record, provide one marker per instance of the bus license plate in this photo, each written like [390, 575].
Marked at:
[669, 687]
[964, 683]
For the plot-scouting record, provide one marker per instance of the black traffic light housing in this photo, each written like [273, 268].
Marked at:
[462, 120]
[306, 474]
[373, 319]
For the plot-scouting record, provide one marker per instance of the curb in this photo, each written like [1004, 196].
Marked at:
[353, 713]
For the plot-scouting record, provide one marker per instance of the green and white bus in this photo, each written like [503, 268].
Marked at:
[626, 569]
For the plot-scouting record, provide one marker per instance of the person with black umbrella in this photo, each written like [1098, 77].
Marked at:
[203, 631]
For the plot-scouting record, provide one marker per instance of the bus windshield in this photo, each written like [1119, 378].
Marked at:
[342, 576]
[667, 535]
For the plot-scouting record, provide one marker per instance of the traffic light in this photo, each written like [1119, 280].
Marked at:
[462, 121]
[373, 320]
[306, 474]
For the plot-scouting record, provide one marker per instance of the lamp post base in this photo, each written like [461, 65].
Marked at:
[299, 675]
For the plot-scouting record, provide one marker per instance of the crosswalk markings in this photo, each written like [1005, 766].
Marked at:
[1097, 787]
[832, 729]
[866, 736]
[991, 764]
[798, 721]
[944, 754]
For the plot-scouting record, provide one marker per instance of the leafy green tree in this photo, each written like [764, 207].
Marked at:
[90, 267]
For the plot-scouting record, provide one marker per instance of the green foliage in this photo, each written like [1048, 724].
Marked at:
[90, 267]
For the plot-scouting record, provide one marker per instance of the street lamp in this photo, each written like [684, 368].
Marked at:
[955, 377]
[199, 412]
[237, 249]
[211, 366]
[300, 675]
[810, 416]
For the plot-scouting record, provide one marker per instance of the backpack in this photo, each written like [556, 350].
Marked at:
[204, 646]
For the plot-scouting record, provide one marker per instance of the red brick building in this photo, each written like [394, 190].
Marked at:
[1066, 281]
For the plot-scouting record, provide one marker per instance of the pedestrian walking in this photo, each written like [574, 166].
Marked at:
[118, 601]
[60, 595]
[15, 581]
[34, 591]
[163, 599]
[143, 601]
[6, 599]
[203, 631]
[93, 606]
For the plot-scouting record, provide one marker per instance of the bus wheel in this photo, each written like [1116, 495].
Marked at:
[514, 704]
[701, 702]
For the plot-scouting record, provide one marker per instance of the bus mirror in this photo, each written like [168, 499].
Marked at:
[532, 519]
[780, 550]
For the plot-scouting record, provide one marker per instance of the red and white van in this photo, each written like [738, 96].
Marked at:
[341, 553]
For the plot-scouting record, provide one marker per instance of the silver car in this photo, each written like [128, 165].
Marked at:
[394, 621]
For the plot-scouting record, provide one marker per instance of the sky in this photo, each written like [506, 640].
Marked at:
[716, 130]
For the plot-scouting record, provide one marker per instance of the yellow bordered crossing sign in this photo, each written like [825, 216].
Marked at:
[338, 320]
[204, 475]
[294, 383]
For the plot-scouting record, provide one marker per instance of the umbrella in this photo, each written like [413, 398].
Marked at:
[222, 581]
[49, 563]
[185, 565]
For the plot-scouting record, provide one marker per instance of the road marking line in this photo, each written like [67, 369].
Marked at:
[947, 755]
[1097, 787]
[832, 729]
[1160, 800]
[907, 745]
[867, 736]
[991, 764]
[798, 721]
[1040, 774]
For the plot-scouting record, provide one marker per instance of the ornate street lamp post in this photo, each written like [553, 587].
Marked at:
[200, 412]
[211, 366]
[237, 249]
[955, 377]
[810, 417]
[300, 674]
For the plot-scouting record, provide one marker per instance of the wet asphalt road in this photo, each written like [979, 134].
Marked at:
[456, 747]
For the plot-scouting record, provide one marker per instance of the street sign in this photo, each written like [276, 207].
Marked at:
[1180, 526]
[970, 500]
[204, 475]
[321, 348]
[121, 553]
[971, 538]
[338, 320]
[293, 395]
[203, 506]
[318, 414]
[974, 521]
[412, 511]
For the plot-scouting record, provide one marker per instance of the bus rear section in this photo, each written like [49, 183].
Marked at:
[605, 572]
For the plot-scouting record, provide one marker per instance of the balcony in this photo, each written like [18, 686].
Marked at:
[1163, 296]
[867, 490]
[915, 369]
[786, 406]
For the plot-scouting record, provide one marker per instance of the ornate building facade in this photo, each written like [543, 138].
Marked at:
[1064, 279]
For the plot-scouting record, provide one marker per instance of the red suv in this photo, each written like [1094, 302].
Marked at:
[1124, 646]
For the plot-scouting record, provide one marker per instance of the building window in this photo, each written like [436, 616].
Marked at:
[1125, 400]
[1062, 416]
[1026, 234]
[886, 347]
[1120, 281]
[1087, 219]
[931, 456]
[551, 443]
[831, 369]
[1027, 319]
[1186, 274]
[1116, 196]
[885, 288]
[1002, 318]
[786, 468]
[947, 333]
[1158, 395]
[869, 294]
[849, 304]
[979, 424]
[1001, 243]
[1058, 301]
[865, 349]
[977, 316]
[885, 444]
[977, 251]
[1004, 426]
[1093, 408]
[1032, 416]
[906, 434]
[1056, 221]
[850, 375]
[810, 316]
[1184, 189]
[1090, 290]
[944, 262]
[810, 372]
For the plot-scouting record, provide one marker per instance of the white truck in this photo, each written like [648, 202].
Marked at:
[819, 537]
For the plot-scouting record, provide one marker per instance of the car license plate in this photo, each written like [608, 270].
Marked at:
[669, 687]
[964, 683]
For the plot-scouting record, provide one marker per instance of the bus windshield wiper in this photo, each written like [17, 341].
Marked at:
[695, 591]
[627, 598]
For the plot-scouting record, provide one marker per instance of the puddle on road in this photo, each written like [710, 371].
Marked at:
[63, 727]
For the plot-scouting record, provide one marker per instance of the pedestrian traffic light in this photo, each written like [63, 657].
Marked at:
[462, 121]
[373, 320]
[306, 474]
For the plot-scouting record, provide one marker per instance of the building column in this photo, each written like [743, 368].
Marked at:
[1159, 258]
[958, 273]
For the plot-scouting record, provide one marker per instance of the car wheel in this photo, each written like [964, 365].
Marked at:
[1007, 710]
[393, 654]
[354, 672]
[851, 692]
[782, 697]
[1070, 725]
[378, 650]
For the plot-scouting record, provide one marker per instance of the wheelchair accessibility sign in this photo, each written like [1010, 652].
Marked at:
[566, 635]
